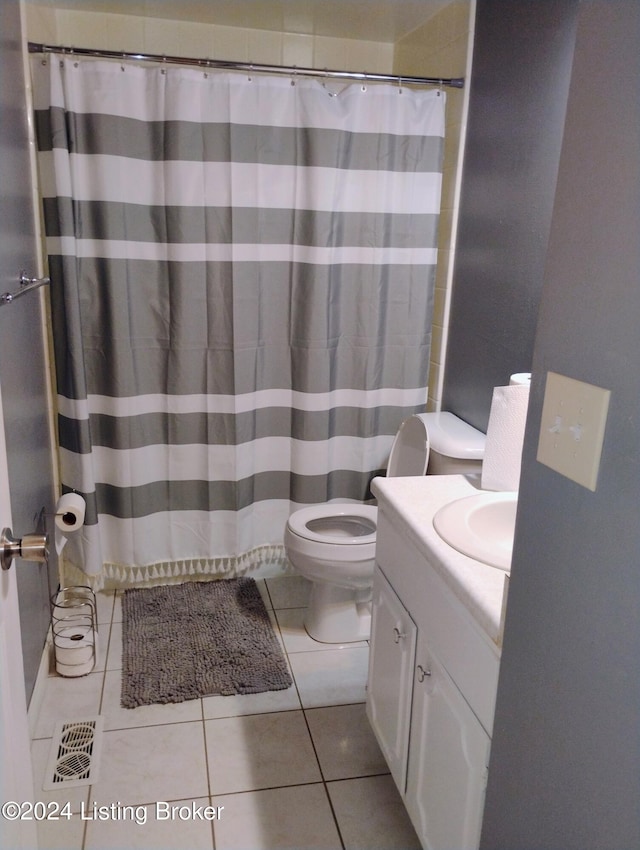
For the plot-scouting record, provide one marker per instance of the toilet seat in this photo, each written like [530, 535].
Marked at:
[340, 525]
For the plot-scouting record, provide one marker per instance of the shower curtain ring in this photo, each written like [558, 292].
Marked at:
[324, 84]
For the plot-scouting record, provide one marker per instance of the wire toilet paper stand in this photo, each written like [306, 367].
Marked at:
[74, 624]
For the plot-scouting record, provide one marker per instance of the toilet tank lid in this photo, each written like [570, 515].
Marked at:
[452, 437]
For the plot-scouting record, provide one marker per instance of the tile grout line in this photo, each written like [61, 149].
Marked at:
[206, 761]
[85, 829]
[313, 744]
[304, 715]
[324, 781]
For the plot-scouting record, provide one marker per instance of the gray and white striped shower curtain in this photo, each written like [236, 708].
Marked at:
[242, 283]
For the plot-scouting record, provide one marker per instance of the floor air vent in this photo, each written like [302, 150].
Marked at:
[75, 754]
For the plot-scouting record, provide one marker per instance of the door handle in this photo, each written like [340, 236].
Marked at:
[423, 672]
[32, 547]
[398, 635]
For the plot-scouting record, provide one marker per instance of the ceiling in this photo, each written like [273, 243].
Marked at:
[369, 20]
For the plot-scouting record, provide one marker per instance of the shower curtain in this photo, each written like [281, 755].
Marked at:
[242, 273]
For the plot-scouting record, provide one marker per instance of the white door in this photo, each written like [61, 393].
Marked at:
[16, 780]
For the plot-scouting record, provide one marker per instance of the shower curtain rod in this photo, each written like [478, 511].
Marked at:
[255, 67]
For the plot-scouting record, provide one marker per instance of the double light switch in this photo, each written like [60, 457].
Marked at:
[574, 417]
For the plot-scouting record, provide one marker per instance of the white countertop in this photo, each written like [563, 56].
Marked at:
[411, 503]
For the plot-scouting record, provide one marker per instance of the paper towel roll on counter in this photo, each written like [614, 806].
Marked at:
[505, 434]
[70, 512]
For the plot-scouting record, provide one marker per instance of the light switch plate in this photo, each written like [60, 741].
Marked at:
[574, 417]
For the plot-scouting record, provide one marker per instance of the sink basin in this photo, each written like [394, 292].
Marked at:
[480, 526]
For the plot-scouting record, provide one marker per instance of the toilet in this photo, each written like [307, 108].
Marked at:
[333, 545]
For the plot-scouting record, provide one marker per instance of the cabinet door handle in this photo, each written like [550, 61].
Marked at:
[398, 635]
[423, 673]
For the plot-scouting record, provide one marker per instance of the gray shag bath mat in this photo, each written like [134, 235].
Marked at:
[190, 640]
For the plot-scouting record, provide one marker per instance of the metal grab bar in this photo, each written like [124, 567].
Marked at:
[26, 285]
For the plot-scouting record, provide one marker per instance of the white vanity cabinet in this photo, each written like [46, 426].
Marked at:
[431, 694]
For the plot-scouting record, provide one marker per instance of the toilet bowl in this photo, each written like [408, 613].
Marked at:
[333, 545]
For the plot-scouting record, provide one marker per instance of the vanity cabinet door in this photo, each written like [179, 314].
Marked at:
[391, 662]
[448, 760]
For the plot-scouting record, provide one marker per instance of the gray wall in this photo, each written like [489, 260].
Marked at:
[521, 68]
[22, 367]
[565, 764]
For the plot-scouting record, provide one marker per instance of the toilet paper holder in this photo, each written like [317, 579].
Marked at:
[74, 626]
[31, 547]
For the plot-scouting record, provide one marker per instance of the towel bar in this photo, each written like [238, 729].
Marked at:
[26, 285]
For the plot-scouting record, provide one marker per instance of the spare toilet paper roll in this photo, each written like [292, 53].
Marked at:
[520, 379]
[75, 650]
[70, 512]
[505, 437]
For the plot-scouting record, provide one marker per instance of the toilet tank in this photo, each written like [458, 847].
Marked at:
[456, 446]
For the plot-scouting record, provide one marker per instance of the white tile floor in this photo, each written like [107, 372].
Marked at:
[289, 769]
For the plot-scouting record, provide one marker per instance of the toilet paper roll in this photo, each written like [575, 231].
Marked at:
[74, 650]
[505, 438]
[70, 512]
[520, 379]
[71, 670]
